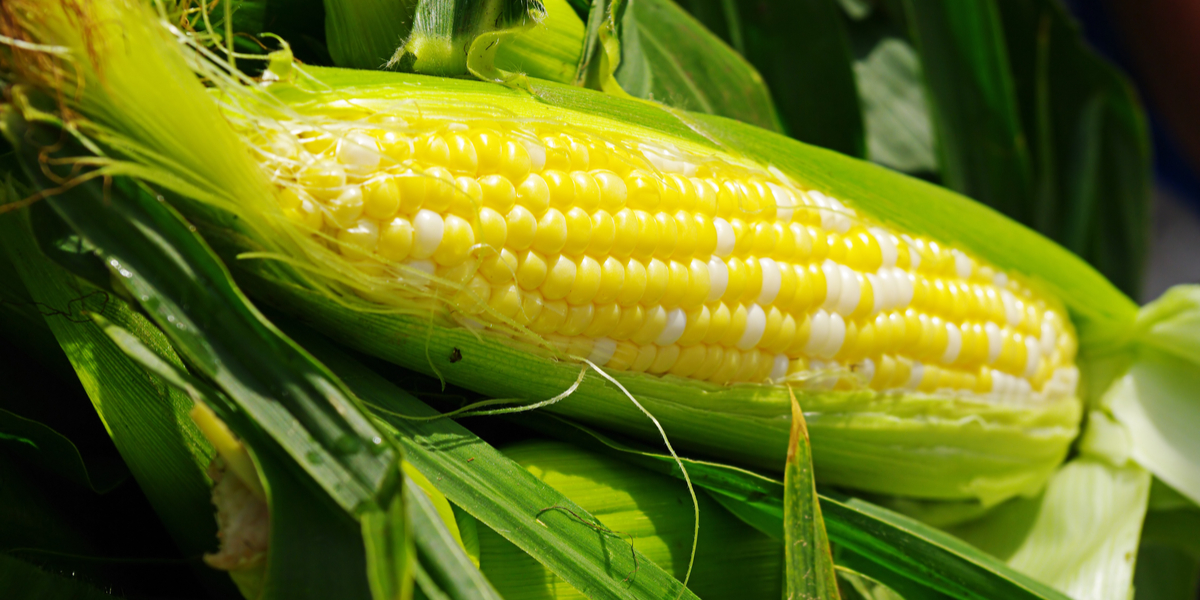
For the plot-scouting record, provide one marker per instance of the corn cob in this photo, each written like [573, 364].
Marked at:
[472, 231]
[641, 256]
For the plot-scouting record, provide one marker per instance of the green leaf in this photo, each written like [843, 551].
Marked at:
[1088, 141]
[1080, 535]
[981, 143]
[1165, 573]
[364, 34]
[148, 421]
[809, 565]
[667, 55]
[802, 50]
[495, 490]
[51, 451]
[443, 558]
[856, 586]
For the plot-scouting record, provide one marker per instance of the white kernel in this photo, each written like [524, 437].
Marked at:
[914, 255]
[756, 324]
[718, 279]
[358, 151]
[999, 383]
[953, 344]
[1012, 312]
[843, 216]
[785, 202]
[602, 351]
[1000, 279]
[676, 323]
[867, 370]
[1033, 355]
[995, 339]
[725, 237]
[904, 283]
[887, 246]
[833, 284]
[1049, 335]
[851, 291]
[818, 332]
[914, 378]
[428, 228]
[824, 210]
[879, 285]
[779, 368]
[772, 279]
[963, 265]
[537, 154]
[837, 335]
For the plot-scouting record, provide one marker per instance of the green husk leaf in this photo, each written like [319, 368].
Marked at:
[364, 34]
[551, 49]
[24, 580]
[1166, 573]
[444, 559]
[809, 568]
[451, 38]
[1080, 535]
[856, 586]
[903, 547]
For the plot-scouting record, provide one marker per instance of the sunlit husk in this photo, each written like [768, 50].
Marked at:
[733, 560]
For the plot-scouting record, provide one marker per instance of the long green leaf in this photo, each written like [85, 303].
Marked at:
[809, 566]
[497, 491]
[981, 144]
[444, 558]
[802, 50]
[52, 451]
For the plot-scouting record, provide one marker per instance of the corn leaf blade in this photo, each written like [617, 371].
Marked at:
[809, 571]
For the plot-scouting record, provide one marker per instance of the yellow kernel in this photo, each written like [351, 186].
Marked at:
[737, 326]
[579, 231]
[698, 284]
[647, 237]
[307, 215]
[381, 197]
[551, 233]
[489, 148]
[412, 188]
[625, 237]
[433, 150]
[493, 229]
[736, 286]
[606, 318]
[687, 192]
[396, 239]
[754, 281]
[457, 240]
[706, 197]
[658, 275]
[587, 192]
[685, 240]
[633, 288]
[394, 145]
[644, 191]
[289, 199]
[698, 321]
[820, 244]
[666, 358]
[604, 231]
[467, 198]
[588, 276]
[579, 318]
[556, 153]
[440, 189]
[714, 357]
[553, 315]
[343, 211]
[562, 189]
[668, 233]
[462, 157]
[515, 163]
[652, 327]
[359, 241]
[730, 365]
[691, 358]
[473, 297]
[578, 154]
[597, 154]
[531, 270]
[323, 179]
[645, 358]
[772, 329]
[559, 279]
[677, 284]
[317, 141]
[752, 363]
[866, 297]
[863, 251]
[530, 309]
[669, 196]
[612, 278]
[631, 321]
[730, 198]
[613, 192]
[706, 234]
[498, 193]
[499, 268]
[522, 228]
[765, 239]
[623, 357]
[534, 194]
[506, 300]
[743, 239]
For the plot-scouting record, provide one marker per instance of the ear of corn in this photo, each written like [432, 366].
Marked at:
[421, 218]
[638, 507]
